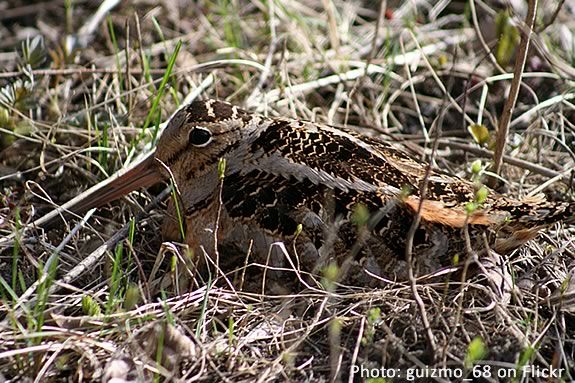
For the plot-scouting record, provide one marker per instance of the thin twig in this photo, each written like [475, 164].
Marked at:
[332, 25]
[535, 168]
[206, 66]
[505, 120]
[409, 250]
[356, 349]
[414, 94]
[553, 17]
[486, 49]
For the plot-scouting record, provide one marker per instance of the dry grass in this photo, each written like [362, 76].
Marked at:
[69, 118]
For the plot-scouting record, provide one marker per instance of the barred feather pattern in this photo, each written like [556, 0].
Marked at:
[284, 176]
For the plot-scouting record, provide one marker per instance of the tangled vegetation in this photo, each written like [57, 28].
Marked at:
[84, 89]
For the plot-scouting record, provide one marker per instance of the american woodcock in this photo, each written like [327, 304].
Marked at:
[285, 176]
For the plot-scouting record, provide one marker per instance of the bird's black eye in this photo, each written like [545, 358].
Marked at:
[200, 137]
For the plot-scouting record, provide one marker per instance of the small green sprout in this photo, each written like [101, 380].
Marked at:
[476, 167]
[480, 133]
[476, 351]
[481, 195]
[470, 207]
[90, 306]
[298, 230]
[222, 168]
[132, 297]
[330, 276]
[360, 215]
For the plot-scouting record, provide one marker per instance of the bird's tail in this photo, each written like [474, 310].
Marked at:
[525, 218]
[537, 211]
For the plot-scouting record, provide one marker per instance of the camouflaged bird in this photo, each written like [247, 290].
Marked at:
[285, 177]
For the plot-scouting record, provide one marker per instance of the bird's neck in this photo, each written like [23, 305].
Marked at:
[199, 190]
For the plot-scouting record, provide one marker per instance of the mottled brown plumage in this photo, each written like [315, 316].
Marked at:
[282, 173]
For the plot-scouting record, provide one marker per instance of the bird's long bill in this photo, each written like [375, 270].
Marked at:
[141, 175]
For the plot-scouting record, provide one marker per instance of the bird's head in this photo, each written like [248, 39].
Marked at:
[197, 137]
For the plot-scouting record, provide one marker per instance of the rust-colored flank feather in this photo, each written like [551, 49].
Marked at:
[285, 176]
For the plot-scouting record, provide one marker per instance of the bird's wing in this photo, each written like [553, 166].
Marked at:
[278, 203]
[341, 159]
